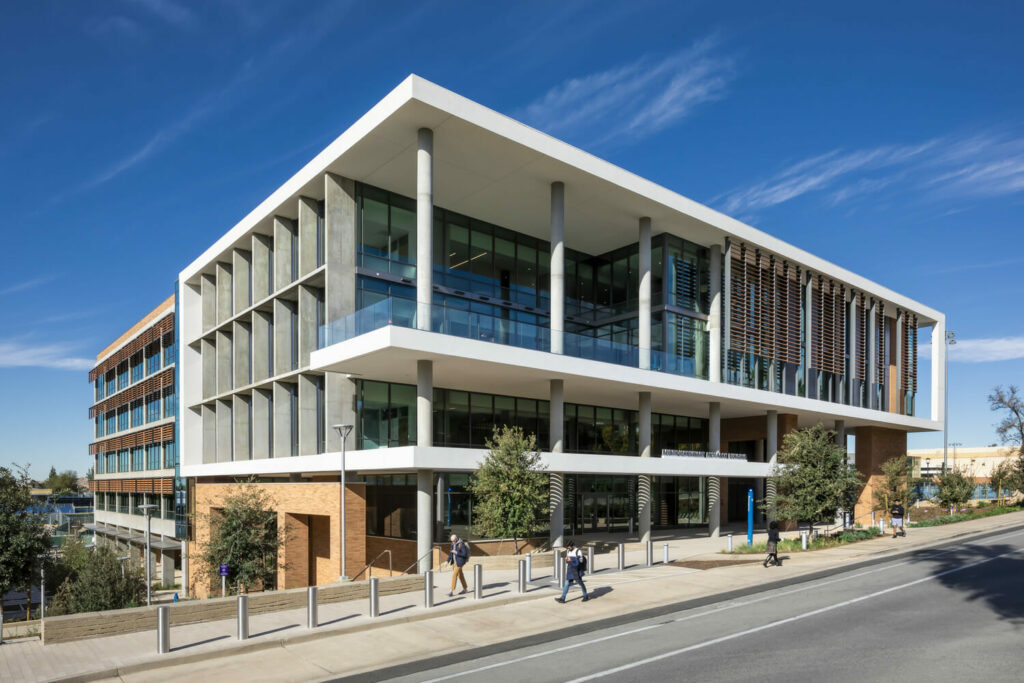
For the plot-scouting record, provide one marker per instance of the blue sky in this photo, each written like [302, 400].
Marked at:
[887, 139]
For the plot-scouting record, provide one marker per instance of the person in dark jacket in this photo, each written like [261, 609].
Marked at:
[457, 558]
[897, 513]
[773, 545]
[573, 573]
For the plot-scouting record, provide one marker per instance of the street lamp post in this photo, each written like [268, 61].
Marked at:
[147, 510]
[950, 341]
[343, 431]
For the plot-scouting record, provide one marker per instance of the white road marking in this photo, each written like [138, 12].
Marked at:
[727, 606]
[789, 620]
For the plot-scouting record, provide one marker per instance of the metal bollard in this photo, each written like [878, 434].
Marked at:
[478, 581]
[163, 630]
[881, 526]
[243, 617]
[590, 559]
[1, 627]
[559, 567]
[311, 615]
[428, 589]
[728, 544]
[803, 539]
[650, 553]
[522, 576]
[529, 567]
[622, 557]
[374, 598]
[664, 548]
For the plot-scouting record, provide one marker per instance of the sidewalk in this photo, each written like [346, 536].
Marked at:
[348, 641]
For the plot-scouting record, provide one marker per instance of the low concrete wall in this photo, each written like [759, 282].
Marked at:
[98, 624]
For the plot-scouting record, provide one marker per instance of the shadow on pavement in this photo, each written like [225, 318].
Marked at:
[398, 609]
[201, 642]
[335, 621]
[274, 630]
[600, 591]
[996, 583]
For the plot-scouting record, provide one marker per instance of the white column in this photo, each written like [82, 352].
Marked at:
[184, 568]
[424, 403]
[715, 315]
[556, 481]
[644, 482]
[424, 520]
[938, 370]
[424, 226]
[644, 266]
[771, 452]
[557, 266]
[714, 483]
[840, 430]
[166, 568]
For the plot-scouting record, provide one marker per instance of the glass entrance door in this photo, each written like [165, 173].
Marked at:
[595, 512]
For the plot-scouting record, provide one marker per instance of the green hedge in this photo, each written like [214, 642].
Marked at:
[788, 545]
[963, 517]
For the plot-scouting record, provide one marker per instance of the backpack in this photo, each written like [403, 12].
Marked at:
[581, 563]
[464, 550]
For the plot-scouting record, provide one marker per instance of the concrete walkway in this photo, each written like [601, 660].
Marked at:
[349, 642]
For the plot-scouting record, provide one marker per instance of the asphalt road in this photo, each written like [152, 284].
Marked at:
[944, 614]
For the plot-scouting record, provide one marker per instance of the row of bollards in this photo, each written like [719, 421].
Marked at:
[525, 576]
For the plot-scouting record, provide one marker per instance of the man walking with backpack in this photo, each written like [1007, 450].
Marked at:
[458, 556]
[576, 565]
[896, 513]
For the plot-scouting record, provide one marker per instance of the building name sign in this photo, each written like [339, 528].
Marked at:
[674, 453]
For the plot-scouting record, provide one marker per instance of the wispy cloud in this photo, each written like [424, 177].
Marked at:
[25, 284]
[980, 165]
[20, 354]
[636, 99]
[115, 26]
[981, 350]
[168, 11]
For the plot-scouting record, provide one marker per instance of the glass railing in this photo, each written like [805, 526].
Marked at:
[498, 330]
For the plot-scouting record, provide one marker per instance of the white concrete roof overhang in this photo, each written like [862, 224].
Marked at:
[411, 458]
[390, 354]
[494, 168]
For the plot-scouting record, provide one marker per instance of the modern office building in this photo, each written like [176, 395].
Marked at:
[441, 268]
[977, 461]
[134, 454]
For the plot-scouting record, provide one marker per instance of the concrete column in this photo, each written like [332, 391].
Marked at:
[284, 243]
[154, 564]
[840, 430]
[715, 314]
[224, 431]
[714, 483]
[261, 424]
[262, 266]
[241, 268]
[644, 291]
[240, 427]
[556, 480]
[208, 348]
[307, 415]
[308, 217]
[282, 421]
[644, 480]
[184, 569]
[424, 226]
[241, 337]
[262, 345]
[308, 297]
[208, 289]
[166, 568]
[224, 291]
[209, 434]
[225, 362]
[424, 519]
[340, 291]
[424, 403]
[282, 336]
[771, 453]
[759, 483]
[557, 267]
[439, 498]
[938, 388]
[556, 489]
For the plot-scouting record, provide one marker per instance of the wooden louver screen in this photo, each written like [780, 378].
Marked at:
[860, 351]
[908, 353]
[155, 332]
[140, 438]
[764, 315]
[164, 485]
[140, 390]
[879, 342]
[828, 326]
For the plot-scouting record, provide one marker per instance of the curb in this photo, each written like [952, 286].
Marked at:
[472, 653]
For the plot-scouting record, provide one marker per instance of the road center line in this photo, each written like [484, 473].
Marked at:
[731, 605]
[789, 620]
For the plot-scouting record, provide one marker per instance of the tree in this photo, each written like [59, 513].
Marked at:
[955, 487]
[1011, 427]
[96, 581]
[813, 479]
[62, 482]
[23, 537]
[1000, 475]
[510, 487]
[896, 483]
[245, 537]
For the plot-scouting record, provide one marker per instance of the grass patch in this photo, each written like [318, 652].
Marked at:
[788, 545]
[965, 516]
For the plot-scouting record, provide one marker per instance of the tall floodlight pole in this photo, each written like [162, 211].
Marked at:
[147, 509]
[950, 341]
[343, 431]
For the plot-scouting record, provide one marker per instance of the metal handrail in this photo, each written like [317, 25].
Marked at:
[417, 562]
[391, 571]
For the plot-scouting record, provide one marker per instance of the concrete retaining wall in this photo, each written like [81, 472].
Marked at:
[97, 624]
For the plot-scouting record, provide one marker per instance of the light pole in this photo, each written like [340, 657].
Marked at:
[950, 341]
[147, 510]
[343, 431]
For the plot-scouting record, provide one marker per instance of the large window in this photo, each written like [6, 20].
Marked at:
[101, 464]
[136, 408]
[153, 357]
[98, 388]
[153, 407]
[136, 365]
[110, 379]
[111, 422]
[170, 402]
[170, 349]
[153, 456]
[122, 418]
[99, 425]
[170, 454]
[386, 229]
[122, 375]
[111, 458]
[391, 506]
[122, 461]
[138, 463]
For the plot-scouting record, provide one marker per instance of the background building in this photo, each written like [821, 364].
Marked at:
[440, 269]
[134, 454]
[978, 461]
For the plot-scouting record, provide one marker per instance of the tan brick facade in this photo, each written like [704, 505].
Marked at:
[309, 516]
[875, 445]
